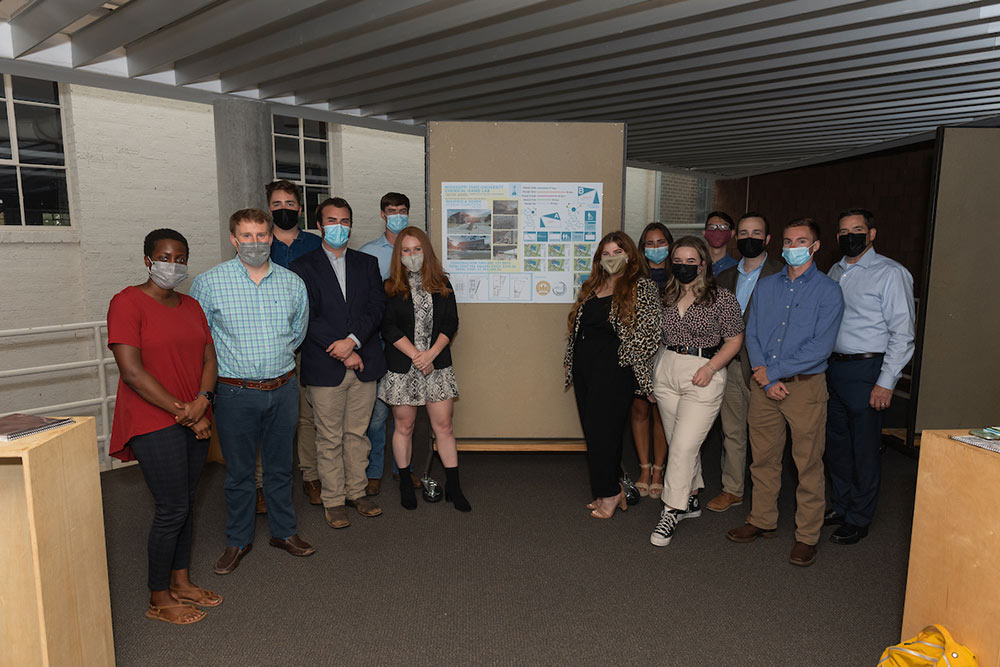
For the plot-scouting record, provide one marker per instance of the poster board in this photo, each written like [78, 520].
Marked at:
[957, 366]
[508, 356]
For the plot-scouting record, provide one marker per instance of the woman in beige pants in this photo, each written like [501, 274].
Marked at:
[702, 332]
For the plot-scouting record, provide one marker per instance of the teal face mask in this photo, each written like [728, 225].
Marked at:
[657, 255]
[797, 256]
[336, 235]
[397, 222]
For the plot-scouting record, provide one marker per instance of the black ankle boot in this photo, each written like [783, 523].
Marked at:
[453, 490]
[407, 498]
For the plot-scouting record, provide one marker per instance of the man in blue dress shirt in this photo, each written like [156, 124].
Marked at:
[794, 319]
[718, 230]
[257, 313]
[395, 210]
[875, 342]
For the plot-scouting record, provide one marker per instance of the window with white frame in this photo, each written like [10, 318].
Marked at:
[32, 161]
[302, 155]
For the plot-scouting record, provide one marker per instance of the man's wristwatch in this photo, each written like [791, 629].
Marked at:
[210, 395]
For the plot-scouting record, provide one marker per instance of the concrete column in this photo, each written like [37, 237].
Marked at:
[244, 160]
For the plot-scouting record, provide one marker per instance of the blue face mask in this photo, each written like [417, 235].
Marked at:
[336, 235]
[397, 222]
[657, 255]
[797, 256]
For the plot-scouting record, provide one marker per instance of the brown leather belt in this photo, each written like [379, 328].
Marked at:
[263, 385]
[800, 377]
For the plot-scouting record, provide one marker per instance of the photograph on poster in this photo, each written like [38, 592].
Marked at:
[505, 207]
[579, 279]
[468, 221]
[557, 265]
[505, 252]
[504, 222]
[462, 248]
[534, 250]
[557, 250]
[582, 250]
[581, 264]
[506, 237]
[533, 264]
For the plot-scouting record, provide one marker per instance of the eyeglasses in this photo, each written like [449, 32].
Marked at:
[718, 228]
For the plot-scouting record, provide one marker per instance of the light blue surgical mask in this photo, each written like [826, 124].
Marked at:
[336, 235]
[397, 222]
[657, 255]
[797, 256]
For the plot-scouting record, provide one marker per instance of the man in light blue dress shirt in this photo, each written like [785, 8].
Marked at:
[873, 345]
[395, 211]
[257, 312]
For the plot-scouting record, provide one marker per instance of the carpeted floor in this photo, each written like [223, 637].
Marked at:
[527, 578]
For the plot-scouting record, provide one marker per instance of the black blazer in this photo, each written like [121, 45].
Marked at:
[399, 322]
[331, 318]
[728, 279]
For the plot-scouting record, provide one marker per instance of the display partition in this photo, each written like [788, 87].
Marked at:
[508, 354]
[956, 369]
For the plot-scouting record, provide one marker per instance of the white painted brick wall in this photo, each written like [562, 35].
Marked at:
[640, 195]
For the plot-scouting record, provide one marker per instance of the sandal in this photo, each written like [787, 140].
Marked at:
[598, 513]
[156, 613]
[656, 489]
[642, 487]
[206, 597]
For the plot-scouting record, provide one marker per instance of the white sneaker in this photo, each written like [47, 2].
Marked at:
[665, 527]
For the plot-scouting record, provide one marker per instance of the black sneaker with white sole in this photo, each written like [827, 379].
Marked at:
[665, 527]
[693, 510]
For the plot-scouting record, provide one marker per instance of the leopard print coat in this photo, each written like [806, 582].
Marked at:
[639, 342]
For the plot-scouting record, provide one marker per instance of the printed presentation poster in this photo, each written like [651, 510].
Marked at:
[519, 242]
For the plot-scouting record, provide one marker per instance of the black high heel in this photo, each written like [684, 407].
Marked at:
[407, 497]
[453, 491]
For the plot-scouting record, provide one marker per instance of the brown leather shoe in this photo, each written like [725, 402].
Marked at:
[261, 507]
[312, 488]
[366, 506]
[336, 517]
[230, 558]
[416, 481]
[723, 501]
[294, 545]
[374, 486]
[748, 533]
[802, 554]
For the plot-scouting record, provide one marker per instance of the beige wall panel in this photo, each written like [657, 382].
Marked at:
[508, 357]
[960, 366]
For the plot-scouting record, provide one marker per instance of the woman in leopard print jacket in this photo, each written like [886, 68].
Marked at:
[615, 329]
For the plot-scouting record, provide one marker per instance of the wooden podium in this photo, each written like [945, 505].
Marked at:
[55, 608]
[954, 576]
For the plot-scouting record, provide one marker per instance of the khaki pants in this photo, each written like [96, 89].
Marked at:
[688, 413]
[305, 435]
[735, 406]
[804, 410]
[341, 415]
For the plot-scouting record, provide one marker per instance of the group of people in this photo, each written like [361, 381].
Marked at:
[675, 334]
[296, 338]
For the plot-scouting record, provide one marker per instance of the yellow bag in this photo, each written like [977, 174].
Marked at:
[933, 646]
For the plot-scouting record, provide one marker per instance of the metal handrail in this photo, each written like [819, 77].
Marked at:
[100, 362]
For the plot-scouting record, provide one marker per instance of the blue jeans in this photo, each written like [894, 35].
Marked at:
[245, 417]
[376, 435]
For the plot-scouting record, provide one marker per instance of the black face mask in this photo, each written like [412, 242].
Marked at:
[285, 218]
[750, 247]
[853, 245]
[684, 273]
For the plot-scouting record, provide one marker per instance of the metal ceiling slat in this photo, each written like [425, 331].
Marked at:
[498, 32]
[128, 23]
[680, 144]
[271, 77]
[218, 24]
[339, 21]
[793, 52]
[562, 41]
[661, 52]
[44, 18]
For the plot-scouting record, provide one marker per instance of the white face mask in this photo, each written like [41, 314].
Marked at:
[413, 262]
[167, 275]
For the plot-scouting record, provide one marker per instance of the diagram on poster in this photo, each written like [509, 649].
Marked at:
[519, 242]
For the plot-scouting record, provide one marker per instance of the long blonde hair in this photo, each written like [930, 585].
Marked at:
[703, 287]
[624, 294]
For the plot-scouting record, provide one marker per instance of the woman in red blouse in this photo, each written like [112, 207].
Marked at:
[167, 366]
[702, 332]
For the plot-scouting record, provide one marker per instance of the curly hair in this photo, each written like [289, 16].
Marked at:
[624, 295]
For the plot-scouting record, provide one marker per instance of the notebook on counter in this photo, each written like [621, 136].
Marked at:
[19, 425]
[982, 443]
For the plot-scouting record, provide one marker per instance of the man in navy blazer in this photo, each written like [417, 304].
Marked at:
[342, 359]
